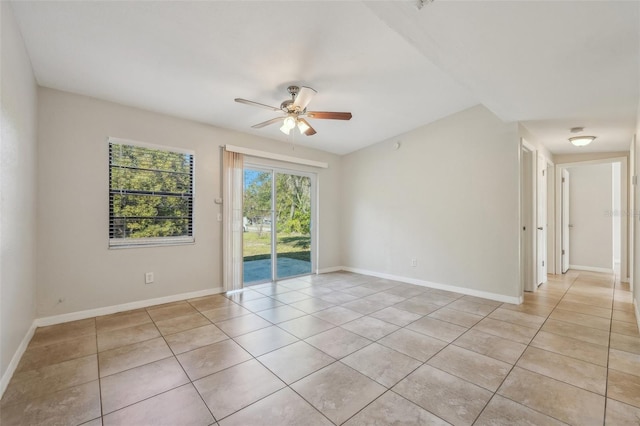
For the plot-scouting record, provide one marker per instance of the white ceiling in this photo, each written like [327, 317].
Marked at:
[550, 65]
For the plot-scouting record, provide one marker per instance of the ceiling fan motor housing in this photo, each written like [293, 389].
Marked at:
[287, 106]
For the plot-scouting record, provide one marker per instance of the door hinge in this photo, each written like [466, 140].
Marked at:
[543, 263]
[562, 180]
[562, 251]
[543, 172]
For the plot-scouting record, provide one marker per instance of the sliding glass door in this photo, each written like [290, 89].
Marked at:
[293, 225]
[256, 224]
[277, 224]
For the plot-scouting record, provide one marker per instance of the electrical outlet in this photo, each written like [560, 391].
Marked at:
[414, 262]
[148, 277]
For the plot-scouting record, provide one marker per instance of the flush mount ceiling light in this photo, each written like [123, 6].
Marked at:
[581, 140]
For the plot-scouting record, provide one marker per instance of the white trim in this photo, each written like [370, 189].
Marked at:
[279, 157]
[527, 145]
[127, 243]
[621, 159]
[516, 300]
[591, 269]
[330, 269]
[637, 311]
[106, 310]
[90, 313]
[15, 360]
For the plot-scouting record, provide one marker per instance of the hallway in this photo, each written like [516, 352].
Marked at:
[589, 341]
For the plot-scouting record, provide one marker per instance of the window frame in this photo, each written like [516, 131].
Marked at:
[120, 243]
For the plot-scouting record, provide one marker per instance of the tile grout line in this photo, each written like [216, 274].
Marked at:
[215, 420]
[606, 383]
[99, 378]
[513, 366]
[447, 344]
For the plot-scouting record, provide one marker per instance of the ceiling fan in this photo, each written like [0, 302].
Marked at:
[295, 110]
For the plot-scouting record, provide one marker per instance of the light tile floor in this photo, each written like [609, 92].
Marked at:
[342, 348]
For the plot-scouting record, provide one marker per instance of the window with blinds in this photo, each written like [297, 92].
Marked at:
[150, 195]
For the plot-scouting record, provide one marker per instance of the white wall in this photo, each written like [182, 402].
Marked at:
[448, 197]
[74, 263]
[635, 208]
[617, 212]
[590, 195]
[17, 191]
[591, 156]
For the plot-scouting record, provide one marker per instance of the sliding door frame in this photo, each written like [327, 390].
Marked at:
[275, 170]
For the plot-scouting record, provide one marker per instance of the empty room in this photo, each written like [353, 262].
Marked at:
[410, 212]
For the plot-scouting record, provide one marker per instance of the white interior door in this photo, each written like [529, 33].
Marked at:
[527, 250]
[565, 220]
[541, 221]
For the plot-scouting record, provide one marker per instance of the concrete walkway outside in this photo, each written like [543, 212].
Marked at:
[257, 271]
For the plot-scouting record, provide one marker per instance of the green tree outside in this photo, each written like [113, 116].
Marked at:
[292, 215]
[150, 192]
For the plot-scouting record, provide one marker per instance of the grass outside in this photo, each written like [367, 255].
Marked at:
[288, 245]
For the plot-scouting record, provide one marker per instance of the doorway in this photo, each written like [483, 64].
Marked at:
[541, 221]
[277, 224]
[566, 225]
[591, 209]
[528, 249]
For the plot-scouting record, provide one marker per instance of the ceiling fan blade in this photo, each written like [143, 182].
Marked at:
[266, 123]
[328, 115]
[310, 131]
[256, 104]
[303, 97]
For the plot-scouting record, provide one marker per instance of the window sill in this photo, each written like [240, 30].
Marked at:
[128, 244]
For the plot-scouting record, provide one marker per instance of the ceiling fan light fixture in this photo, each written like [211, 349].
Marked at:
[302, 126]
[284, 129]
[581, 140]
[288, 124]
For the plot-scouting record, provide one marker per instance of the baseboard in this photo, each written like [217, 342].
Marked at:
[468, 291]
[331, 269]
[90, 313]
[15, 360]
[591, 269]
